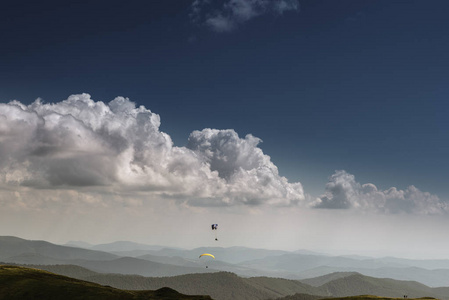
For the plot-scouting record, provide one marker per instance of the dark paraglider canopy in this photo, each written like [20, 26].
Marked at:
[215, 227]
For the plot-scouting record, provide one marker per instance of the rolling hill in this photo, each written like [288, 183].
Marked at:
[130, 265]
[297, 266]
[25, 283]
[358, 284]
[225, 285]
[220, 286]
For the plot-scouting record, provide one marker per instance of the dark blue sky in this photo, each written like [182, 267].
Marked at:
[355, 85]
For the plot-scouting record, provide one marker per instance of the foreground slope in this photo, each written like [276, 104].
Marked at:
[26, 283]
[358, 284]
[361, 297]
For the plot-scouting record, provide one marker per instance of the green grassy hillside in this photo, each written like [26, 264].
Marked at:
[26, 283]
[300, 296]
[370, 297]
[361, 297]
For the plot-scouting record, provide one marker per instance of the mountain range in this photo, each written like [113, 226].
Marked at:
[303, 272]
[226, 286]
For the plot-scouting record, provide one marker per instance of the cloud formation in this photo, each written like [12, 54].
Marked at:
[225, 16]
[80, 143]
[90, 151]
[344, 192]
[249, 173]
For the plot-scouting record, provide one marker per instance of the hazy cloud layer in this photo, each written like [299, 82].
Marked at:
[80, 143]
[225, 16]
[343, 192]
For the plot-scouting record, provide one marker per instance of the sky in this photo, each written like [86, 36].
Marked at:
[293, 124]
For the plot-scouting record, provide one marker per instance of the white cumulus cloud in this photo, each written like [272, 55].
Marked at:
[225, 16]
[80, 143]
[249, 173]
[344, 192]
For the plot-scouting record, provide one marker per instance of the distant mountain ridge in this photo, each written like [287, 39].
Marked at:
[16, 250]
[120, 246]
[12, 246]
[78, 244]
[242, 261]
[233, 255]
[321, 280]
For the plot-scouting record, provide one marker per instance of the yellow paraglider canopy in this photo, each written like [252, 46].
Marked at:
[207, 254]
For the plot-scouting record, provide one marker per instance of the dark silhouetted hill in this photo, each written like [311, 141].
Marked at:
[25, 283]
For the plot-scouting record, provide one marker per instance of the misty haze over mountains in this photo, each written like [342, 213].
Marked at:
[155, 261]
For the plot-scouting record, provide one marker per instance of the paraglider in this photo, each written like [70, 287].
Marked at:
[207, 255]
[215, 228]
